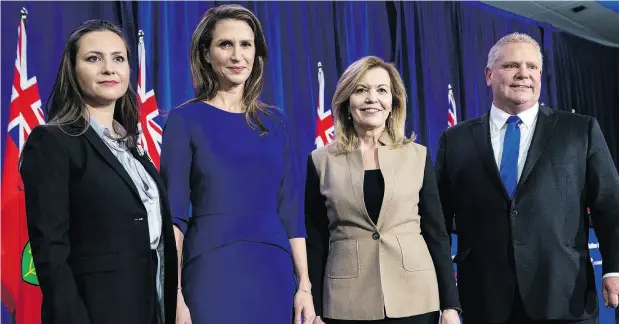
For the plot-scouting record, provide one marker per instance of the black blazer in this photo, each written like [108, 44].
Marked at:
[539, 240]
[88, 231]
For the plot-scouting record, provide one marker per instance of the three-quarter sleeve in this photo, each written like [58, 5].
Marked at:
[436, 237]
[290, 206]
[46, 174]
[176, 156]
[317, 225]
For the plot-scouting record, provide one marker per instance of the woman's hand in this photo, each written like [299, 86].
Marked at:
[450, 316]
[182, 311]
[303, 308]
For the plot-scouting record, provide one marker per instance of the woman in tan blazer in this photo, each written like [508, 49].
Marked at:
[378, 250]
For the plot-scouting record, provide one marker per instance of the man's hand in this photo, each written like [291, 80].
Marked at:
[610, 291]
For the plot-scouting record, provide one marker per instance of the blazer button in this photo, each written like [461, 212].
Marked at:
[514, 213]
[375, 235]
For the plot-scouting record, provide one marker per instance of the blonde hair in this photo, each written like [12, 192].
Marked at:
[346, 139]
[513, 38]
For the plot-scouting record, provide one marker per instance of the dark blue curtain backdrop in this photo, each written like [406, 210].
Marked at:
[479, 28]
[298, 34]
[589, 82]
[433, 45]
[427, 58]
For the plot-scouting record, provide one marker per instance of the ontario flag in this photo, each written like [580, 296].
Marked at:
[324, 120]
[452, 117]
[151, 131]
[21, 295]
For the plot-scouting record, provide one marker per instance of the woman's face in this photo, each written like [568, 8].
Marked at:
[232, 52]
[102, 68]
[371, 101]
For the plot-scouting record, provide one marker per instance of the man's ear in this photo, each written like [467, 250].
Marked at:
[488, 76]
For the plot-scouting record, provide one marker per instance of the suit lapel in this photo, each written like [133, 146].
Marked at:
[546, 121]
[481, 134]
[357, 172]
[150, 168]
[386, 161]
[148, 165]
[109, 157]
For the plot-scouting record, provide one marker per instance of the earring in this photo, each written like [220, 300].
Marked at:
[349, 116]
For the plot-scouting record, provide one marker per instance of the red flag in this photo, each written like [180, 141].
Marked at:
[150, 137]
[324, 121]
[20, 287]
[452, 117]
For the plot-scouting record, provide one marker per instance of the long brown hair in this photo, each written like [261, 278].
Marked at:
[204, 78]
[66, 106]
[346, 139]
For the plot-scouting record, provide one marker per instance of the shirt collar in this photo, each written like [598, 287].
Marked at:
[499, 117]
[104, 132]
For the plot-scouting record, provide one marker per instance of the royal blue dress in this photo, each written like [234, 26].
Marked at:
[245, 205]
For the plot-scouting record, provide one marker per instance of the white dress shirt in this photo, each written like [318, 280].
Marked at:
[498, 120]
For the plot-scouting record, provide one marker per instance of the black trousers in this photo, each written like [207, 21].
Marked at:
[427, 318]
[519, 316]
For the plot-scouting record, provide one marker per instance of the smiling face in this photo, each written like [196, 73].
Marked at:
[102, 68]
[371, 100]
[232, 52]
[515, 77]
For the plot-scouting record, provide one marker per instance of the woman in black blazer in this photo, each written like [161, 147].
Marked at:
[98, 221]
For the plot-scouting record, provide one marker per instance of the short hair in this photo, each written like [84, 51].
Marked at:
[512, 39]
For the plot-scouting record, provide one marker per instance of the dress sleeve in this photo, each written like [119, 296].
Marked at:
[176, 156]
[290, 208]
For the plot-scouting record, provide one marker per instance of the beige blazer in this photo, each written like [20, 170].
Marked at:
[383, 269]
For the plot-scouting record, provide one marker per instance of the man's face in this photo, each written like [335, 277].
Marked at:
[515, 76]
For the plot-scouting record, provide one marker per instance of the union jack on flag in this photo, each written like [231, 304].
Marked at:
[452, 117]
[21, 295]
[452, 120]
[151, 131]
[324, 120]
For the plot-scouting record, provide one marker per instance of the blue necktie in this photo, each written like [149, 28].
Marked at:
[509, 159]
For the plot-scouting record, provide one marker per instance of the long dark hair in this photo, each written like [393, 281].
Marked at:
[66, 106]
[204, 78]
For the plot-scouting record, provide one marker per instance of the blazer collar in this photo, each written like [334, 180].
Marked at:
[385, 139]
[480, 127]
[386, 161]
[141, 156]
[546, 122]
[107, 155]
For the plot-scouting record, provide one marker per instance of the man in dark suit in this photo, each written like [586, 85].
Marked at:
[518, 181]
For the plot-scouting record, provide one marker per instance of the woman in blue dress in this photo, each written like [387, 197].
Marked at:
[243, 247]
